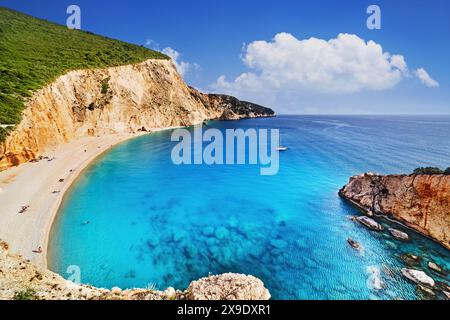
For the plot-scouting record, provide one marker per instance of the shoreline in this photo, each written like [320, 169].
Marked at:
[33, 184]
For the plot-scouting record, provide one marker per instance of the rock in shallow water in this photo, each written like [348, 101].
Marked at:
[418, 277]
[221, 233]
[228, 286]
[374, 281]
[369, 223]
[354, 244]
[208, 231]
[399, 234]
[411, 259]
[434, 266]
[426, 292]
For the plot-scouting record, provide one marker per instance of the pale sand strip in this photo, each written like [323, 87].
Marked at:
[32, 184]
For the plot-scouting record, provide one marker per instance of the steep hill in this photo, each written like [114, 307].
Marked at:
[34, 52]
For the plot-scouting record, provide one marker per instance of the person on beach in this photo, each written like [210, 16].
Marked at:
[39, 250]
[24, 209]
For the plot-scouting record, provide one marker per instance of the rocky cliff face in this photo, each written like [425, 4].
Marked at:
[115, 100]
[421, 202]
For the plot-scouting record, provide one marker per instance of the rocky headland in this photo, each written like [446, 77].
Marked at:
[419, 201]
[117, 100]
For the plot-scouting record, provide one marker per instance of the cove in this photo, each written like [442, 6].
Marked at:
[153, 223]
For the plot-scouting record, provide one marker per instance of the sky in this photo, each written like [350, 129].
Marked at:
[297, 57]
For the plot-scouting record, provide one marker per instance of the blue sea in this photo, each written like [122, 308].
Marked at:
[153, 223]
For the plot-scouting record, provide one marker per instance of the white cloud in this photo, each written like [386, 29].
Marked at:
[152, 44]
[288, 66]
[183, 67]
[425, 78]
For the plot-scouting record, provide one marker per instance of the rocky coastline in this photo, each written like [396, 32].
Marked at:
[418, 201]
[22, 280]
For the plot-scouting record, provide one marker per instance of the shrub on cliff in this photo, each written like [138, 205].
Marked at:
[34, 52]
[430, 170]
[27, 294]
[447, 171]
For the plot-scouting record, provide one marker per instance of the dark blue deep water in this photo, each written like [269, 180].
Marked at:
[152, 222]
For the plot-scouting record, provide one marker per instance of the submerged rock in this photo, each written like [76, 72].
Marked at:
[398, 234]
[411, 259]
[278, 243]
[228, 286]
[152, 242]
[369, 223]
[426, 292]
[374, 281]
[418, 277]
[391, 245]
[208, 231]
[130, 274]
[222, 233]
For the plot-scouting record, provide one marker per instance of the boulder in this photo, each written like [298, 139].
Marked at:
[169, 294]
[434, 266]
[411, 259]
[400, 235]
[116, 290]
[354, 244]
[369, 223]
[228, 286]
[418, 277]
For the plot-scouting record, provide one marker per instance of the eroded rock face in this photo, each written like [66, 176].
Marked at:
[229, 286]
[147, 95]
[421, 202]
[18, 276]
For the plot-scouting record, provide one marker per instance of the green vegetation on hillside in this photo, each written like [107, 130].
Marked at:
[431, 170]
[35, 52]
[27, 294]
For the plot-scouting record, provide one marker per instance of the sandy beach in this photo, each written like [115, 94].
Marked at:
[40, 187]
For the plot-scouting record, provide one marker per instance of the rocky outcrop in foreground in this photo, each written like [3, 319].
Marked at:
[422, 202]
[20, 279]
[228, 286]
[123, 99]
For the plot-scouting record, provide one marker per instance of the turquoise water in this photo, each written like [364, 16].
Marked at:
[152, 222]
